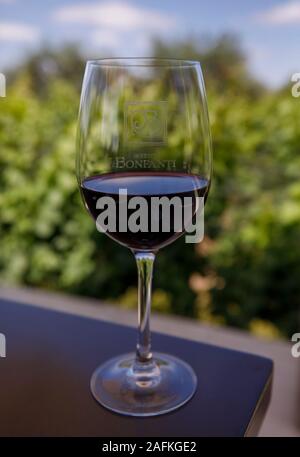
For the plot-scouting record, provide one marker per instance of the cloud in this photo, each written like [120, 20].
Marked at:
[116, 15]
[17, 31]
[288, 13]
[120, 42]
[106, 37]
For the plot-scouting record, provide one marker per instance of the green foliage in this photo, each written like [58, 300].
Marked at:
[246, 271]
[222, 59]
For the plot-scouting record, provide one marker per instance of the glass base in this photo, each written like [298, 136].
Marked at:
[133, 388]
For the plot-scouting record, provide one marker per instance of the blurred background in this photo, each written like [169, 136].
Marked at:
[246, 271]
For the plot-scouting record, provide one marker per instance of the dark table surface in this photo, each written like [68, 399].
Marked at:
[44, 380]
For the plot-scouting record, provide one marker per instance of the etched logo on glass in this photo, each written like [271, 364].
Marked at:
[146, 123]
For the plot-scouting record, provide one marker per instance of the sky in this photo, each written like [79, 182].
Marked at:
[268, 30]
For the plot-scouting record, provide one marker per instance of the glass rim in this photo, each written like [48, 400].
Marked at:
[143, 62]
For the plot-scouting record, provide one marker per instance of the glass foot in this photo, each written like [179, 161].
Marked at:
[128, 387]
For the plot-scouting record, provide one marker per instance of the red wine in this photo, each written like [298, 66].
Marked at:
[146, 185]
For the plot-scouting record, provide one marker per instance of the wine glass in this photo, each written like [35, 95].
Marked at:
[143, 155]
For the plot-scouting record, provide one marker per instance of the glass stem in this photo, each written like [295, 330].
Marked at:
[144, 262]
